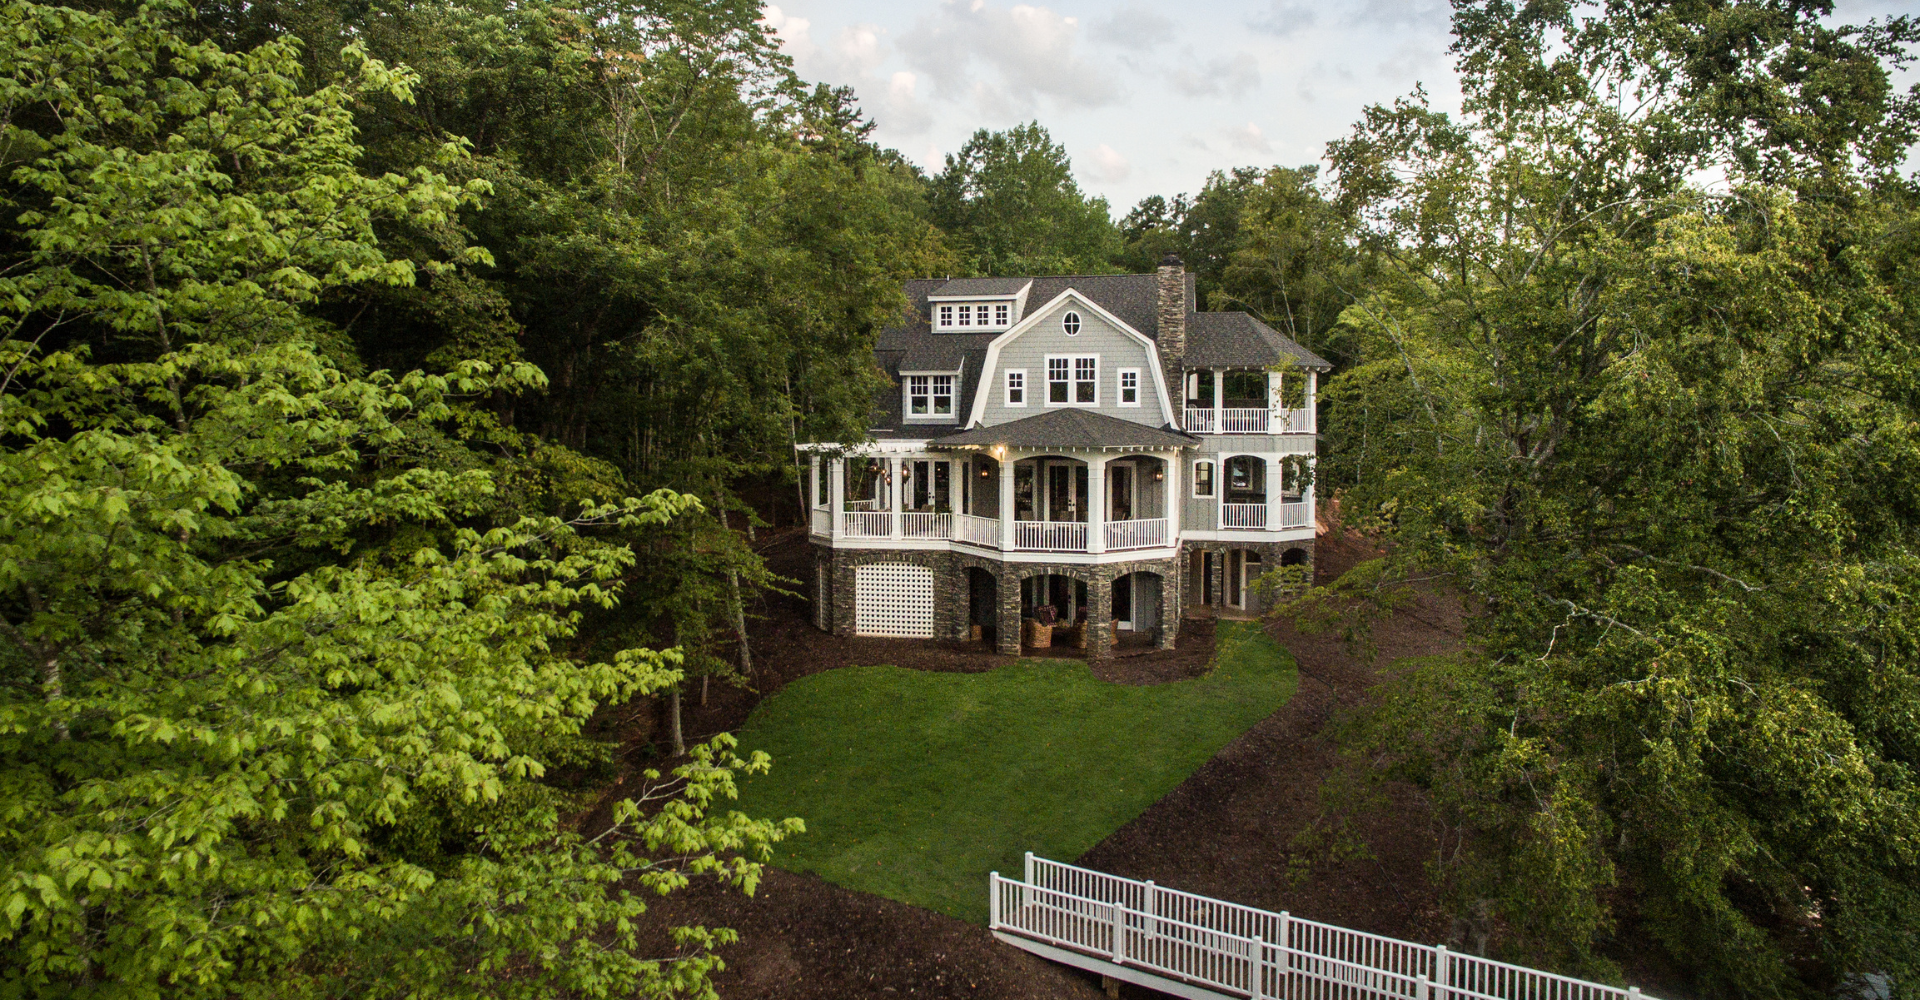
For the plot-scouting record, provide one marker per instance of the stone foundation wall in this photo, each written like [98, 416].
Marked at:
[1271, 554]
[834, 610]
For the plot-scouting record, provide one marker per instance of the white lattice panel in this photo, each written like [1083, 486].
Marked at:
[893, 599]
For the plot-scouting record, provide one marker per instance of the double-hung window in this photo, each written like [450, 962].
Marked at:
[1017, 387]
[1073, 381]
[1203, 479]
[929, 395]
[1129, 387]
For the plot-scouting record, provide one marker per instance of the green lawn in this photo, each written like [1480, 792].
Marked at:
[914, 785]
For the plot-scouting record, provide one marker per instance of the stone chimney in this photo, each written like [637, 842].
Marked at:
[1173, 332]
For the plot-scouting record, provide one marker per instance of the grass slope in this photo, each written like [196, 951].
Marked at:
[914, 784]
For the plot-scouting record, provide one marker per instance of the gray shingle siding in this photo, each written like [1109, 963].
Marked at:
[1116, 350]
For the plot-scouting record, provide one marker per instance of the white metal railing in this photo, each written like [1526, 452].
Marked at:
[1144, 533]
[918, 524]
[1296, 513]
[1243, 421]
[1255, 953]
[822, 521]
[1199, 421]
[1050, 536]
[977, 530]
[867, 524]
[1243, 515]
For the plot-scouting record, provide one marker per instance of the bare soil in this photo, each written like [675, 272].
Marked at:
[1231, 830]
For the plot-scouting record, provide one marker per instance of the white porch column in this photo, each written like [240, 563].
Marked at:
[1172, 497]
[1276, 471]
[1097, 503]
[1276, 399]
[1219, 400]
[954, 473]
[1313, 516]
[1006, 502]
[837, 495]
[813, 483]
[1313, 411]
[894, 492]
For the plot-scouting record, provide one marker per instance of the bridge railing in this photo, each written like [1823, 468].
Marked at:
[1240, 950]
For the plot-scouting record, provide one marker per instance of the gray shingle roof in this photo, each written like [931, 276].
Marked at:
[1214, 340]
[1075, 429]
[1237, 340]
[981, 286]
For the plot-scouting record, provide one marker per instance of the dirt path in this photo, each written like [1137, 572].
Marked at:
[1228, 831]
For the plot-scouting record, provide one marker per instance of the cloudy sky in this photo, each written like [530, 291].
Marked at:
[1148, 97]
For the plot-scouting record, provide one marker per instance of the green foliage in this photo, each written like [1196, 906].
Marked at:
[917, 784]
[1010, 201]
[277, 699]
[1662, 439]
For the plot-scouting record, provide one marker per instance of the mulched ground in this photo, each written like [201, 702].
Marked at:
[1228, 831]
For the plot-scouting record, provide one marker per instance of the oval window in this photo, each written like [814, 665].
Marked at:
[1071, 323]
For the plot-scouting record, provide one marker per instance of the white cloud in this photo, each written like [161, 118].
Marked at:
[904, 111]
[1026, 54]
[1134, 27]
[1109, 167]
[1231, 75]
[1283, 18]
[1248, 137]
[795, 33]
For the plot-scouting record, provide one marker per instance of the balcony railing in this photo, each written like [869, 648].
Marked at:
[867, 524]
[863, 505]
[822, 521]
[926, 525]
[1249, 421]
[1146, 533]
[1243, 515]
[977, 530]
[1296, 514]
[1050, 536]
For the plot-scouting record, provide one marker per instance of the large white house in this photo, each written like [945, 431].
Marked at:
[1089, 442]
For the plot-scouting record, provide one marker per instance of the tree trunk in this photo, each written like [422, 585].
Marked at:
[737, 607]
[673, 707]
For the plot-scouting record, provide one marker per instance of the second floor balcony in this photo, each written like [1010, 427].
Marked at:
[1248, 420]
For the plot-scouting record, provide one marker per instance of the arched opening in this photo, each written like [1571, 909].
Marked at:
[1294, 557]
[983, 605]
[1137, 608]
[1243, 567]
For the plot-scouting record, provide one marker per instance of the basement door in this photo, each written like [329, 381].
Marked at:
[893, 599]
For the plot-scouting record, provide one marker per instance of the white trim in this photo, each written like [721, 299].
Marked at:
[1120, 387]
[1006, 389]
[1073, 379]
[1213, 479]
[1032, 317]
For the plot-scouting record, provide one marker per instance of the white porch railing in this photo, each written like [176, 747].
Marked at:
[1243, 515]
[1050, 536]
[1145, 533]
[862, 505]
[822, 521]
[1249, 421]
[977, 530]
[1101, 921]
[1296, 515]
[867, 524]
[926, 525]
[1293, 421]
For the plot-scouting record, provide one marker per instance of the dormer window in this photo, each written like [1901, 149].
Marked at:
[972, 316]
[929, 396]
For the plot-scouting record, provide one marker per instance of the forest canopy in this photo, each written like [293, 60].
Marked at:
[391, 390]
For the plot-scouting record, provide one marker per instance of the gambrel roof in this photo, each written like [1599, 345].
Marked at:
[1214, 340]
